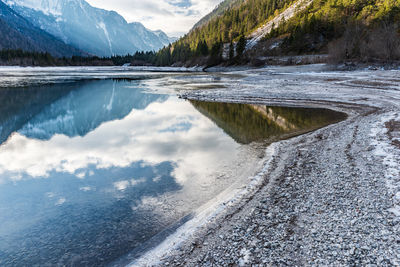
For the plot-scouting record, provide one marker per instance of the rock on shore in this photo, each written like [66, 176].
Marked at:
[329, 198]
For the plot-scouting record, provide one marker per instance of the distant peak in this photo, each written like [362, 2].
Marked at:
[48, 7]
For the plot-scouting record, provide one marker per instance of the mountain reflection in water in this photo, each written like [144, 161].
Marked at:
[248, 123]
[90, 171]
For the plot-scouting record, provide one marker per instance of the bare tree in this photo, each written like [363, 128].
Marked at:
[359, 42]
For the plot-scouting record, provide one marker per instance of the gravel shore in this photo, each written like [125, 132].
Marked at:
[328, 198]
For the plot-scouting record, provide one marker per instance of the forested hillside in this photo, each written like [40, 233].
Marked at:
[237, 21]
[362, 29]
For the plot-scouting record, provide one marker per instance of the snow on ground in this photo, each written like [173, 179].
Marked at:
[330, 197]
[206, 214]
[390, 155]
[15, 76]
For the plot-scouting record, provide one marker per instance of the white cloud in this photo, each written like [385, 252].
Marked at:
[175, 17]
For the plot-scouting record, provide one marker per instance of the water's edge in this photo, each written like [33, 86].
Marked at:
[217, 207]
[225, 204]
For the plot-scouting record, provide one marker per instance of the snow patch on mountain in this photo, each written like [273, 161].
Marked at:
[19, 33]
[261, 32]
[48, 7]
[97, 31]
[103, 27]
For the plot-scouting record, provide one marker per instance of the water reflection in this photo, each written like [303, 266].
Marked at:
[18, 105]
[84, 109]
[101, 168]
[254, 123]
[89, 222]
[89, 171]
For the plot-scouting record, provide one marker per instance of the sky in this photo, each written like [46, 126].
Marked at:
[174, 17]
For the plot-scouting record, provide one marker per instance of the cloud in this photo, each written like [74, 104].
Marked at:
[175, 17]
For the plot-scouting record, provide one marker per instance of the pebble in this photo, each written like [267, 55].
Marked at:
[328, 200]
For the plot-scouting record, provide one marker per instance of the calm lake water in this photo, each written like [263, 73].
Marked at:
[92, 170]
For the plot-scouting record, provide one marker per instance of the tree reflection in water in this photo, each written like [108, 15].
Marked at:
[247, 123]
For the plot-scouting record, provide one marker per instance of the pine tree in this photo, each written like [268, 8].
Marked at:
[241, 46]
[231, 51]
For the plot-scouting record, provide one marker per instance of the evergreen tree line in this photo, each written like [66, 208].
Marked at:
[364, 29]
[231, 27]
[27, 58]
[350, 29]
[202, 54]
[239, 20]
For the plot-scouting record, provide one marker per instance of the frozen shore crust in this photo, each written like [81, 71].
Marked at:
[330, 197]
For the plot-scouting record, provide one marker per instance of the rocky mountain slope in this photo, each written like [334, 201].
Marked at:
[260, 33]
[18, 33]
[97, 31]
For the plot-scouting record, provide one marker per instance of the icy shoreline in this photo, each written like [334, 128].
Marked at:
[218, 207]
[329, 197]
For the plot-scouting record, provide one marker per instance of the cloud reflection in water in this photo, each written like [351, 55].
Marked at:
[96, 173]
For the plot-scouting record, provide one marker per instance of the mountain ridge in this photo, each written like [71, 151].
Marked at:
[97, 31]
[18, 33]
[217, 11]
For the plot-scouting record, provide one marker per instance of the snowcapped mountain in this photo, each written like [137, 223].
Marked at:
[18, 33]
[164, 37]
[91, 29]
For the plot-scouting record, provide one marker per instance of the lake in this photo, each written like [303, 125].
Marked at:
[94, 169]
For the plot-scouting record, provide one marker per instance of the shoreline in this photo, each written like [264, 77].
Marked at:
[224, 206]
[285, 208]
[220, 206]
[263, 229]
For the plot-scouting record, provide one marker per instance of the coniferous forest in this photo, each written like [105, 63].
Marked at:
[366, 30]
[324, 25]
[24, 58]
